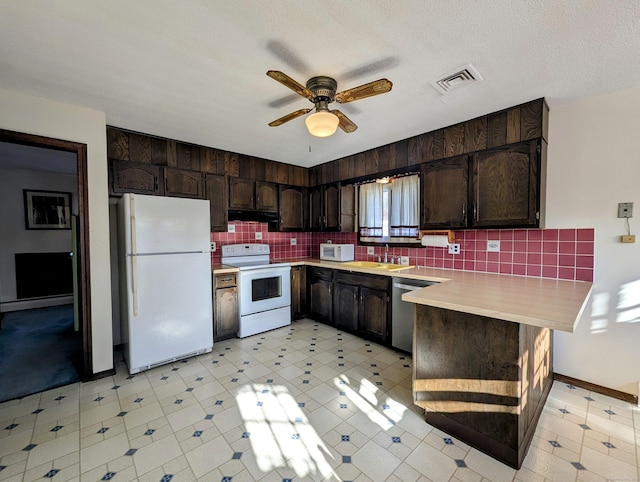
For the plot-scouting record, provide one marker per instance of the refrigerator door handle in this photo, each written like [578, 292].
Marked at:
[134, 270]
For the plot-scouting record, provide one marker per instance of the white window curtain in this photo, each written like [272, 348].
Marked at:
[371, 208]
[405, 208]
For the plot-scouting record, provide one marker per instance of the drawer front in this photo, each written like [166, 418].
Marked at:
[224, 280]
[366, 280]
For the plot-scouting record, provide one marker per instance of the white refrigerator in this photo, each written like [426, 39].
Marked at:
[165, 272]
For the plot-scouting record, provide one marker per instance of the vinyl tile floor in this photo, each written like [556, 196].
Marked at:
[304, 402]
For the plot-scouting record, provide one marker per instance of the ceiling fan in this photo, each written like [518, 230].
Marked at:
[321, 91]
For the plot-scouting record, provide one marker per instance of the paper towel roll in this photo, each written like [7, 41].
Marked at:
[439, 241]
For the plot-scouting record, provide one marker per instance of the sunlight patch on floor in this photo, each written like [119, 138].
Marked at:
[279, 432]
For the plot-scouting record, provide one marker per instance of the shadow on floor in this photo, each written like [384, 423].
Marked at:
[39, 350]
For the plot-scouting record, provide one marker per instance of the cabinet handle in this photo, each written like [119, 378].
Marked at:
[475, 211]
[225, 280]
[464, 212]
[155, 183]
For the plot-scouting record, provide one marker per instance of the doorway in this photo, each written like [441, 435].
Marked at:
[61, 153]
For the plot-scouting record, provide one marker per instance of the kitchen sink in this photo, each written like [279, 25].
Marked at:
[373, 264]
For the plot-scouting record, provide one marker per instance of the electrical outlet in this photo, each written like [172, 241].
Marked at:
[258, 235]
[625, 210]
[213, 246]
[493, 246]
[454, 248]
[293, 241]
[371, 250]
[404, 260]
[231, 228]
[628, 238]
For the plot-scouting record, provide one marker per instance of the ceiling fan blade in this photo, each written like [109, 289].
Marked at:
[345, 123]
[376, 87]
[288, 117]
[287, 81]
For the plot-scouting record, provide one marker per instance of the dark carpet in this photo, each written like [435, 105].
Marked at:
[39, 350]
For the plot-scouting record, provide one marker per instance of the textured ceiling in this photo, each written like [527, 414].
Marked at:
[195, 70]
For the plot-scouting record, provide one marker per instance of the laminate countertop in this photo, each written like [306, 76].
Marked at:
[546, 303]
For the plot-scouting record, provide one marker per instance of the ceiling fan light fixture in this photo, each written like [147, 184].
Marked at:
[322, 123]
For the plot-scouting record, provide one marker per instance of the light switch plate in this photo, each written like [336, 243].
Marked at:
[293, 241]
[258, 235]
[493, 246]
[371, 250]
[404, 260]
[231, 228]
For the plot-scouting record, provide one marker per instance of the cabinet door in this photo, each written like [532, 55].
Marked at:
[316, 216]
[241, 195]
[183, 183]
[216, 189]
[374, 314]
[266, 196]
[332, 207]
[445, 193]
[348, 208]
[292, 208]
[505, 187]
[225, 321]
[135, 177]
[298, 292]
[320, 298]
[345, 307]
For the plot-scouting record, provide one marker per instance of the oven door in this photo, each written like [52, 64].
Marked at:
[264, 289]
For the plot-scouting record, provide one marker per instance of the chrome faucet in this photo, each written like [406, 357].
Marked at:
[386, 252]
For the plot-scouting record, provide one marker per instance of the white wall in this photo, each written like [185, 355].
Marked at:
[593, 164]
[14, 237]
[38, 116]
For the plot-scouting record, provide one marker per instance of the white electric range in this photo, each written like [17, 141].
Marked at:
[264, 288]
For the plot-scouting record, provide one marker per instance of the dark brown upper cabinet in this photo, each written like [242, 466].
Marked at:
[183, 183]
[493, 188]
[216, 189]
[293, 203]
[445, 191]
[251, 194]
[266, 196]
[348, 208]
[324, 208]
[505, 186]
[135, 177]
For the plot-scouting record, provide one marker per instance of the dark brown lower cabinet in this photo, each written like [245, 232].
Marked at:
[346, 302]
[298, 292]
[374, 320]
[320, 281]
[361, 305]
[225, 307]
[483, 380]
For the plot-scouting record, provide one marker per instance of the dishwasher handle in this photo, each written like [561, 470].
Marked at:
[403, 286]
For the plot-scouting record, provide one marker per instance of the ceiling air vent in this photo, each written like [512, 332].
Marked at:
[461, 77]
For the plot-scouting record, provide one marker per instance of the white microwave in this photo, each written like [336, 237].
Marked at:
[336, 252]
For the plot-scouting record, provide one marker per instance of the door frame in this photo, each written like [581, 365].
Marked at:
[84, 281]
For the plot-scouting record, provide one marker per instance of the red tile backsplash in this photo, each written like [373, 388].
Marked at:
[548, 253]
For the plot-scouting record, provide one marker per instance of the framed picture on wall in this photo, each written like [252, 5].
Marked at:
[47, 209]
